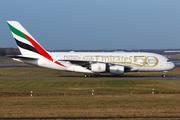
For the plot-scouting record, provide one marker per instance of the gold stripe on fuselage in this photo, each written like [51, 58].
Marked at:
[134, 61]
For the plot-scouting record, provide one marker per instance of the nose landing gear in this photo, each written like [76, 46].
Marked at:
[164, 75]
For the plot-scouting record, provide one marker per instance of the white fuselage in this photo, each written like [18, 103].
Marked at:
[138, 61]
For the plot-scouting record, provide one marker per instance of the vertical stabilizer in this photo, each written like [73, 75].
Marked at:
[26, 43]
[28, 46]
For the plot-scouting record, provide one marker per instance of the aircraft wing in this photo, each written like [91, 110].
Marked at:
[80, 62]
[88, 63]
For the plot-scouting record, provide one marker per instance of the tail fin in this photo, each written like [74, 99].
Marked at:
[26, 43]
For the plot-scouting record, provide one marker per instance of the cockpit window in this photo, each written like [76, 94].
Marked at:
[168, 60]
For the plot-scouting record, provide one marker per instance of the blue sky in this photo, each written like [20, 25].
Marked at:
[94, 24]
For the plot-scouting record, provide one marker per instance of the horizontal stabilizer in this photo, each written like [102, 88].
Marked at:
[22, 57]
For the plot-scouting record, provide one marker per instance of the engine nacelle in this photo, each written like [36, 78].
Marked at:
[98, 67]
[118, 70]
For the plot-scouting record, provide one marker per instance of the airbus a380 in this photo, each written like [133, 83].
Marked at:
[90, 63]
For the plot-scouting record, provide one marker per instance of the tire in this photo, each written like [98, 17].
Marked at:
[99, 75]
[163, 75]
[85, 75]
[89, 75]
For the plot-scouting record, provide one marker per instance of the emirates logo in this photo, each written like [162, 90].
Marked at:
[99, 68]
[117, 70]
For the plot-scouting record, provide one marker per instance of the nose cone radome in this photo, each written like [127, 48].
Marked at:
[171, 65]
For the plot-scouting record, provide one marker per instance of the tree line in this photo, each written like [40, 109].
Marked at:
[9, 51]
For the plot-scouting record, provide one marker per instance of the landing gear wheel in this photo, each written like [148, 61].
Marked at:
[89, 75]
[163, 75]
[85, 75]
[93, 75]
[98, 75]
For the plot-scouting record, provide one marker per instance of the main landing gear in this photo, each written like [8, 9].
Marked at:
[164, 75]
[92, 75]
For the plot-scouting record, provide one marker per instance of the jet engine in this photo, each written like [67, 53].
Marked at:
[118, 70]
[98, 67]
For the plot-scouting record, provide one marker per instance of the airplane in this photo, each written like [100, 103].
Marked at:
[90, 63]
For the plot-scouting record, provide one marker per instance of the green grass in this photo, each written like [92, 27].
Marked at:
[78, 85]
[34, 71]
[38, 71]
[55, 96]
[143, 105]
[59, 85]
[7, 61]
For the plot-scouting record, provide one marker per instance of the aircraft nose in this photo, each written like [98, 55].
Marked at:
[172, 65]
